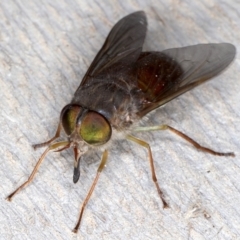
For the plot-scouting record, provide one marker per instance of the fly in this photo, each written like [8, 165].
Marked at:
[121, 86]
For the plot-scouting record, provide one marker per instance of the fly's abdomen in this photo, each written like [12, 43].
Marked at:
[156, 74]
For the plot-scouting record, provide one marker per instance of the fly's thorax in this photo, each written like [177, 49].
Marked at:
[124, 120]
[84, 127]
[115, 99]
[126, 116]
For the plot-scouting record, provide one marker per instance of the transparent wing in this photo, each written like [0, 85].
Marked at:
[174, 71]
[122, 46]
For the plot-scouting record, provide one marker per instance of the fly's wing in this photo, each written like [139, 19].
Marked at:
[122, 46]
[165, 75]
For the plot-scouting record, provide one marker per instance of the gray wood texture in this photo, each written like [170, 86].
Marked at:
[45, 49]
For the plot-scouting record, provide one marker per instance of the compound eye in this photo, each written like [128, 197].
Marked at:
[95, 129]
[69, 118]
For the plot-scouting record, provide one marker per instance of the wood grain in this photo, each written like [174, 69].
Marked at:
[45, 49]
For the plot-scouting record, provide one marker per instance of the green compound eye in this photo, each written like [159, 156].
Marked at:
[95, 129]
[69, 116]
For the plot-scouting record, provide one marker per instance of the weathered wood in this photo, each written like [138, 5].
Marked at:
[45, 49]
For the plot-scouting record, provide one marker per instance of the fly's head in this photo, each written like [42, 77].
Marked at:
[85, 129]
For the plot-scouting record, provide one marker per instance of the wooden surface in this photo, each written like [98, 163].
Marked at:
[45, 48]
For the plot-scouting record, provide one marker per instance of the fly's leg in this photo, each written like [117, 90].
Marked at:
[154, 178]
[187, 138]
[57, 147]
[57, 134]
[100, 168]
